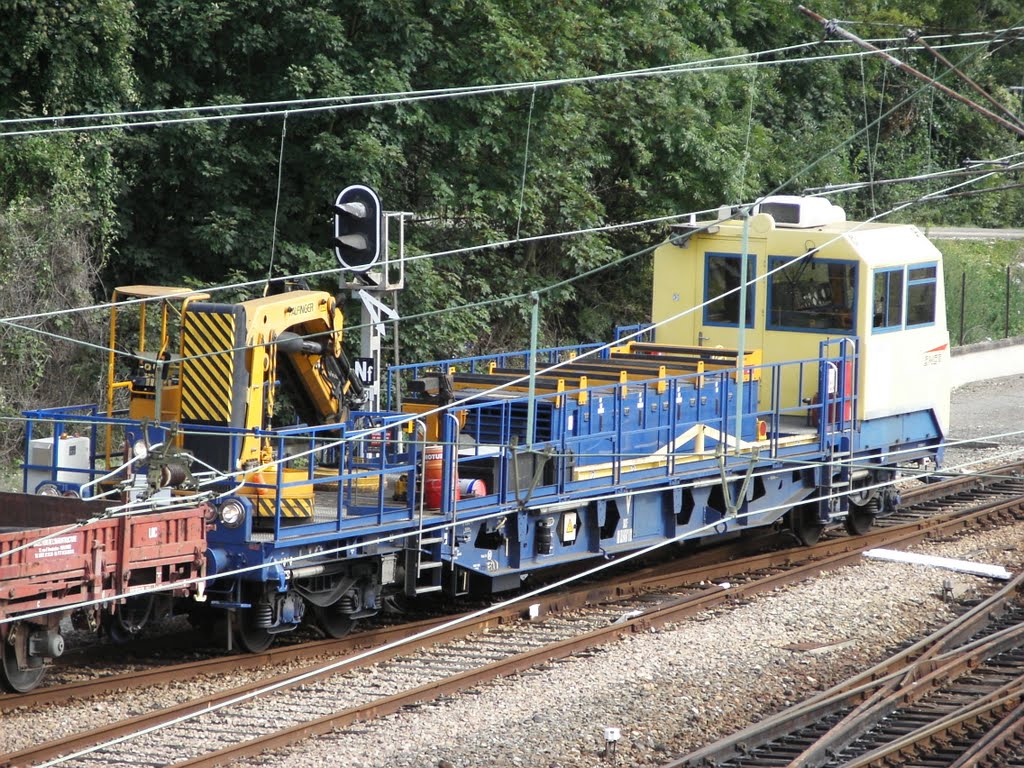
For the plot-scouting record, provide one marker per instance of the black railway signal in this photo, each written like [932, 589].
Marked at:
[358, 228]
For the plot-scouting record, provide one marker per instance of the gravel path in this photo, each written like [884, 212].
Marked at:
[989, 407]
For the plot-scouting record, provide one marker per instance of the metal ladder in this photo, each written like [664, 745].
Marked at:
[836, 483]
[423, 556]
[423, 564]
[835, 477]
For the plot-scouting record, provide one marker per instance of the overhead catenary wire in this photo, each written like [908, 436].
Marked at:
[277, 203]
[246, 284]
[315, 273]
[285, 103]
[867, 135]
[760, 59]
[380, 99]
[915, 39]
[833, 28]
[853, 186]
[280, 108]
[526, 157]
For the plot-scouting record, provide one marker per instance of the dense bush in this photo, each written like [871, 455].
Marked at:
[46, 265]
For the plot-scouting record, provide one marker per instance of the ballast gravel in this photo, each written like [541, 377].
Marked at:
[667, 691]
[674, 689]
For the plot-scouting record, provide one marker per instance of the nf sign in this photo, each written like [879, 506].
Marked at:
[365, 370]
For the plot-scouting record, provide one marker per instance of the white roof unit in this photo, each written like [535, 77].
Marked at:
[793, 211]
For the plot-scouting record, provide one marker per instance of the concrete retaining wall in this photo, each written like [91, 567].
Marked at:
[986, 360]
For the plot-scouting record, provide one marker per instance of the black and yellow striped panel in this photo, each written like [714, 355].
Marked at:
[206, 378]
[289, 507]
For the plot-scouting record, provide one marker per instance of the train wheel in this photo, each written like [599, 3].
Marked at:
[805, 525]
[860, 518]
[130, 618]
[11, 676]
[251, 639]
[335, 623]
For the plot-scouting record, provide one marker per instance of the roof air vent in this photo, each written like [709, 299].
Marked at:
[801, 212]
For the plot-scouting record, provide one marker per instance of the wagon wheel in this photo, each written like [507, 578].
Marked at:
[334, 622]
[11, 676]
[860, 518]
[130, 617]
[251, 639]
[804, 524]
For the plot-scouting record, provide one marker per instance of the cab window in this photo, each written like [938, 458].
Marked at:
[921, 284]
[722, 274]
[887, 311]
[811, 294]
[904, 297]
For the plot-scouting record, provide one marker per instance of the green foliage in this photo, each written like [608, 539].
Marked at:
[57, 196]
[63, 58]
[45, 266]
[199, 203]
[598, 152]
[976, 284]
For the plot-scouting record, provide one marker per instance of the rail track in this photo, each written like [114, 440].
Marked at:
[720, 563]
[955, 699]
[323, 698]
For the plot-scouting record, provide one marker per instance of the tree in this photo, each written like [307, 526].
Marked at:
[57, 194]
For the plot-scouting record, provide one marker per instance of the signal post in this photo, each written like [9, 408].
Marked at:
[361, 244]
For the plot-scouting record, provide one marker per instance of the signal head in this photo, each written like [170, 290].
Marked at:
[358, 228]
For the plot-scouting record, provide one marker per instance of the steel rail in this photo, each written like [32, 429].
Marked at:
[709, 566]
[662, 576]
[675, 611]
[839, 552]
[947, 727]
[899, 679]
[998, 739]
[706, 566]
[922, 678]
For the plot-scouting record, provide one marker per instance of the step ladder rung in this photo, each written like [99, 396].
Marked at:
[429, 565]
[424, 590]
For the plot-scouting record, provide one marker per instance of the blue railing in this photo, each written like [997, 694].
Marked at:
[596, 441]
[53, 423]
[640, 332]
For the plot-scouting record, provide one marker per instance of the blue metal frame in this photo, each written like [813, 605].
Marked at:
[58, 420]
[911, 283]
[636, 332]
[620, 457]
[889, 271]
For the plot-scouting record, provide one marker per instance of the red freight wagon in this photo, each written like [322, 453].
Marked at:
[53, 555]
